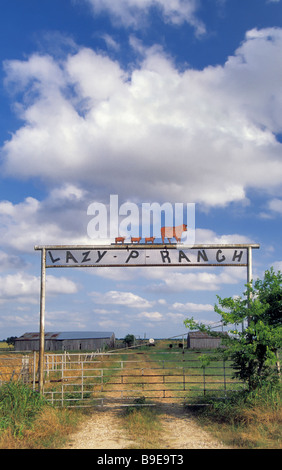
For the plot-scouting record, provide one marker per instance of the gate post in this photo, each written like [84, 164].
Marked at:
[249, 277]
[42, 320]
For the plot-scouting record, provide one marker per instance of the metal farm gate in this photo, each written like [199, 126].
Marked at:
[83, 380]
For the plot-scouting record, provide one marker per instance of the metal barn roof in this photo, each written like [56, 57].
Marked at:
[200, 335]
[62, 335]
[203, 335]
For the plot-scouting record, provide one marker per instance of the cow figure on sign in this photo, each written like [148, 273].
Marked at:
[119, 240]
[173, 232]
[135, 240]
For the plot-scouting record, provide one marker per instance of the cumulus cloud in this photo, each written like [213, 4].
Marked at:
[127, 299]
[210, 237]
[154, 133]
[181, 281]
[60, 218]
[25, 287]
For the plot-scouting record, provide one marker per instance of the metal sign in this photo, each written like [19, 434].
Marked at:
[127, 255]
[141, 256]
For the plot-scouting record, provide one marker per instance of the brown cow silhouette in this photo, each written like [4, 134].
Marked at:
[119, 239]
[135, 240]
[173, 232]
[149, 240]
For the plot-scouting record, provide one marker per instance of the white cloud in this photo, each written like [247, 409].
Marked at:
[192, 307]
[275, 205]
[24, 287]
[59, 219]
[273, 208]
[209, 236]
[176, 281]
[176, 317]
[110, 42]
[155, 133]
[132, 13]
[127, 299]
[60, 285]
[153, 316]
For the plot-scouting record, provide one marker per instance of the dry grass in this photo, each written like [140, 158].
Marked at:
[49, 430]
[246, 425]
[144, 427]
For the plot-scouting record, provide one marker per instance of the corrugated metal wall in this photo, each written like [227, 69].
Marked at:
[204, 343]
[89, 344]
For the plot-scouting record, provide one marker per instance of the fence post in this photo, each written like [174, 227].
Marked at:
[81, 380]
[25, 369]
[62, 363]
[34, 369]
[224, 378]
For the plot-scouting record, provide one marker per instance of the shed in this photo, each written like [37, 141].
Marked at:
[66, 341]
[200, 340]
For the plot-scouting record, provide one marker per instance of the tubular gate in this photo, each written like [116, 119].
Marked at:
[81, 380]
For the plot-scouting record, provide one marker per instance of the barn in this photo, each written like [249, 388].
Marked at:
[200, 340]
[67, 341]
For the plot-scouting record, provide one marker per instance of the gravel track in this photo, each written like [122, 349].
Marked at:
[104, 430]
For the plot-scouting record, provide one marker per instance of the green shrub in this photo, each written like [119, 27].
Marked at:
[19, 405]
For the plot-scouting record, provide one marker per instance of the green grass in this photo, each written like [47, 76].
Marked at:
[28, 422]
[18, 407]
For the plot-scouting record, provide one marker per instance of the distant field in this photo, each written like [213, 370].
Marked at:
[4, 345]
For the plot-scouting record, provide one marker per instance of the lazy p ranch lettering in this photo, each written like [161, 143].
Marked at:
[145, 256]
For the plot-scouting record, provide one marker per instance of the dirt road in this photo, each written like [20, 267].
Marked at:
[104, 430]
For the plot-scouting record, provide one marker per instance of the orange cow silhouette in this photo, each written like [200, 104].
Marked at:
[173, 232]
[119, 239]
[149, 239]
[135, 240]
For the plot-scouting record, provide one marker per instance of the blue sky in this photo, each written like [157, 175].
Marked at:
[155, 101]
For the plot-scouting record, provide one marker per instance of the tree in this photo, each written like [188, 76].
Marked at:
[253, 350]
[11, 340]
[129, 340]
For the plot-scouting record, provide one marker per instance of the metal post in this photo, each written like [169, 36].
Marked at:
[249, 275]
[42, 320]
[34, 369]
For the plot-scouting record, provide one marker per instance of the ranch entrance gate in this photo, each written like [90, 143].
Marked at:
[126, 255]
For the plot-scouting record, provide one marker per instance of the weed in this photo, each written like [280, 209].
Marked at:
[143, 425]
[18, 406]
[27, 421]
[247, 420]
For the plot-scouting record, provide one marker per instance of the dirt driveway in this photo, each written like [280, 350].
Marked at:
[104, 430]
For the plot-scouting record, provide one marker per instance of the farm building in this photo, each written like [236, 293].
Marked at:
[200, 340]
[67, 341]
